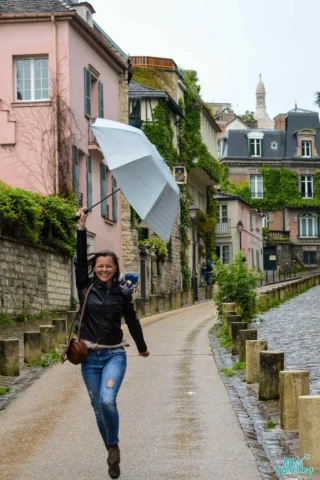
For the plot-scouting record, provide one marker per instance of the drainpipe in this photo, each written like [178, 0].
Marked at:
[54, 88]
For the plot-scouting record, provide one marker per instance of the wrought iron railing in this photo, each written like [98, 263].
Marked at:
[223, 228]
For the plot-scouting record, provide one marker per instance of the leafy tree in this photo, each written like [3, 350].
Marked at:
[248, 117]
[318, 99]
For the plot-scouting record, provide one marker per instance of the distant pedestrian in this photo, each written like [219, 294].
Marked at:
[104, 369]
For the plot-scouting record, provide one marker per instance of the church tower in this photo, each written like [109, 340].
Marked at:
[263, 119]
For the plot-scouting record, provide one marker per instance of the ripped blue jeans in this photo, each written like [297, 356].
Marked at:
[103, 372]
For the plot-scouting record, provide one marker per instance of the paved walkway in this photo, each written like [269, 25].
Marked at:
[177, 422]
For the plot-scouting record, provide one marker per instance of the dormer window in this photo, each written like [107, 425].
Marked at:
[306, 148]
[255, 144]
[255, 147]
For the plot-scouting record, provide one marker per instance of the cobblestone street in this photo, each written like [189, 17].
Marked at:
[294, 329]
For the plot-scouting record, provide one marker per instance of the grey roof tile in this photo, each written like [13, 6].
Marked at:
[31, 6]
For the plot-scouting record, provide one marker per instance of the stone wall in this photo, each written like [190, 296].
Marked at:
[169, 278]
[33, 278]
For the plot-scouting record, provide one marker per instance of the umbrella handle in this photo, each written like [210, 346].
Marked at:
[77, 217]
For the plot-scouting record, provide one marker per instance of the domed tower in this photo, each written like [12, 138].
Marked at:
[263, 119]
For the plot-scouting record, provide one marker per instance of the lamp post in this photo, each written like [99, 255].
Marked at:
[194, 282]
[240, 228]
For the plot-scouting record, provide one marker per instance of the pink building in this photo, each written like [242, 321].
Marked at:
[239, 227]
[59, 70]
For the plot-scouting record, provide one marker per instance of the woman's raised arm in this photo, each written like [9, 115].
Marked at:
[81, 267]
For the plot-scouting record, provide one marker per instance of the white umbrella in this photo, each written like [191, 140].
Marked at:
[142, 174]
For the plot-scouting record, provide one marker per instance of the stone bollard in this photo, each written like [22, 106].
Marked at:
[253, 349]
[235, 327]
[167, 301]
[190, 296]
[32, 347]
[245, 335]
[208, 292]
[232, 317]
[178, 296]
[153, 304]
[277, 294]
[282, 293]
[226, 309]
[271, 364]
[9, 358]
[60, 333]
[47, 338]
[309, 430]
[201, 294]
[70, 317]
[293, 384]
[140, 307]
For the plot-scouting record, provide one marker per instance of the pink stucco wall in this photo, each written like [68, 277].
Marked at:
[24, 163]
[251, 237]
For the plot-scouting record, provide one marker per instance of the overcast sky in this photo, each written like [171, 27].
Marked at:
[228, 42]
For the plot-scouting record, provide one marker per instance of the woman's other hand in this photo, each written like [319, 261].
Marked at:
[144, 354]
[83, 219]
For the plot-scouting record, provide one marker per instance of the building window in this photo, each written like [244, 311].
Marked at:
[224, 253]
[306, 148]
[32, 79]
[307, 186]
[114, 200]
[87, 93]
[89, 182]
[101, 100]
[255, 147]
[265, 221]
[103, 189]
[135, 112]
[258, 259]
[256, 186]
[75, 171]
[222, 213]
[252, 257]
[310, 258]
[308, 225]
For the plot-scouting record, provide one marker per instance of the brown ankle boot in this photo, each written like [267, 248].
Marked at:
[113, 461]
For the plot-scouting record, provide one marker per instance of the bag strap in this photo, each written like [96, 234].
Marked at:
[81, 316]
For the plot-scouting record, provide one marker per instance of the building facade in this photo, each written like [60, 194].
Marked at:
[278, 172]
[239, 227]
[60, 71]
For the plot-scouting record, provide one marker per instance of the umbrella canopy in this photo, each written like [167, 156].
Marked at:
[141, 173]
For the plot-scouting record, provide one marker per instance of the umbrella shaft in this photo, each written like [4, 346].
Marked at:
[103, 199]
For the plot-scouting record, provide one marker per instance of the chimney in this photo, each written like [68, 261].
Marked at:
[280, 121]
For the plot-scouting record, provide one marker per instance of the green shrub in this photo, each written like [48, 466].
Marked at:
[4, 390]
[5, 319]
[236, 284]
[157, 244]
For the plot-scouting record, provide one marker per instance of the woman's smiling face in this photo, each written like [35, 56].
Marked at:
[105, 269]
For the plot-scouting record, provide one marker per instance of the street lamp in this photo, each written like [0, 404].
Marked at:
[240, 228]
[194, 282]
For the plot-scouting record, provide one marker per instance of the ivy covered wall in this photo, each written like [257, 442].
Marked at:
[280, 190]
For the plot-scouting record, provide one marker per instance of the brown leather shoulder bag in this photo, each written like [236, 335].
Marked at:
[76, 351]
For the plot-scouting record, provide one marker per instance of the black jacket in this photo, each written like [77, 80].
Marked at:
[105, 305]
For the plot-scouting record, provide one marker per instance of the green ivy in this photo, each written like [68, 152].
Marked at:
[153, 78]
[280, 190]
[157, 244]
[161, 133]
[38, 219]
[185, 223]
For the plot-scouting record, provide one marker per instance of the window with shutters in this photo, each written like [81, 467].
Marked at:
[75, 171]
[87, 93]
[114, 201]
[224, 253]
[103, 189]
[101, 100]
[258, 259]
[89, 181]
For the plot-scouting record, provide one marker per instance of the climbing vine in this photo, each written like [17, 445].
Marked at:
[280, 189]
[157, 244]
[161, 134]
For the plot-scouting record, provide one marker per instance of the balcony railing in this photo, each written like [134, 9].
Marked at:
[276, 234]
[153, 62]
[223, 228]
